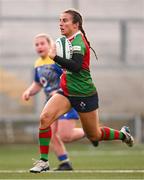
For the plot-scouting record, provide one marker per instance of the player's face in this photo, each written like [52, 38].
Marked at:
[42, 46]
[67, 27]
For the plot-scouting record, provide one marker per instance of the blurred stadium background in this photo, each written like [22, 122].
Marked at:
[116, 31]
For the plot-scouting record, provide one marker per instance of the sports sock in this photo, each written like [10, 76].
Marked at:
[44, 141]
[63, 158]
[111, 134]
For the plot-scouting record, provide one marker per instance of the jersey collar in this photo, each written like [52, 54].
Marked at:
[74, 35]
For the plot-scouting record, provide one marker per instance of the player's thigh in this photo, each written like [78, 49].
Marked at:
[56, 106]
[90, 124]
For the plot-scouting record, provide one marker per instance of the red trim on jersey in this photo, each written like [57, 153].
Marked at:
[63, 83]
[86, 61]
[71, 39]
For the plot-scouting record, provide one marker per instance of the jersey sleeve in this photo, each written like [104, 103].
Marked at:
[78, 45]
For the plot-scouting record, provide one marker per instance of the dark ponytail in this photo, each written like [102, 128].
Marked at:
[82, 30]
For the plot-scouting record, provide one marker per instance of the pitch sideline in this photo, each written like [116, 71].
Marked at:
[80, 171]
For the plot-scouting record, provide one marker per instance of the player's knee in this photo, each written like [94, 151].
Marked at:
[45, 119]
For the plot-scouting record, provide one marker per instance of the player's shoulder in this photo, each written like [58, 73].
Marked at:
[37, 62]
[78, 43]
[78, 40]
[78, 37]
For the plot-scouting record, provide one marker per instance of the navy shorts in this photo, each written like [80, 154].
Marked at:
[72, 114]
[83, 104]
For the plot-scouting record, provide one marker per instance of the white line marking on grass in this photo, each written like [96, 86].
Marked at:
[80, 171]
[111, 153]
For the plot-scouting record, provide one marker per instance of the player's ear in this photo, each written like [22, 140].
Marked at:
[76, 25]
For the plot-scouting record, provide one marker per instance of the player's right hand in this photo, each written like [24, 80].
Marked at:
[26, 95]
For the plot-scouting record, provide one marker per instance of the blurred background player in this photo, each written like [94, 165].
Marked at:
[47, 76]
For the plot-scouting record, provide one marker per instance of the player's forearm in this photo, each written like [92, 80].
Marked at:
[34, 89]
[73, 64]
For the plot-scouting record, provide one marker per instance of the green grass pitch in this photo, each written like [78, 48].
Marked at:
[108, 161]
